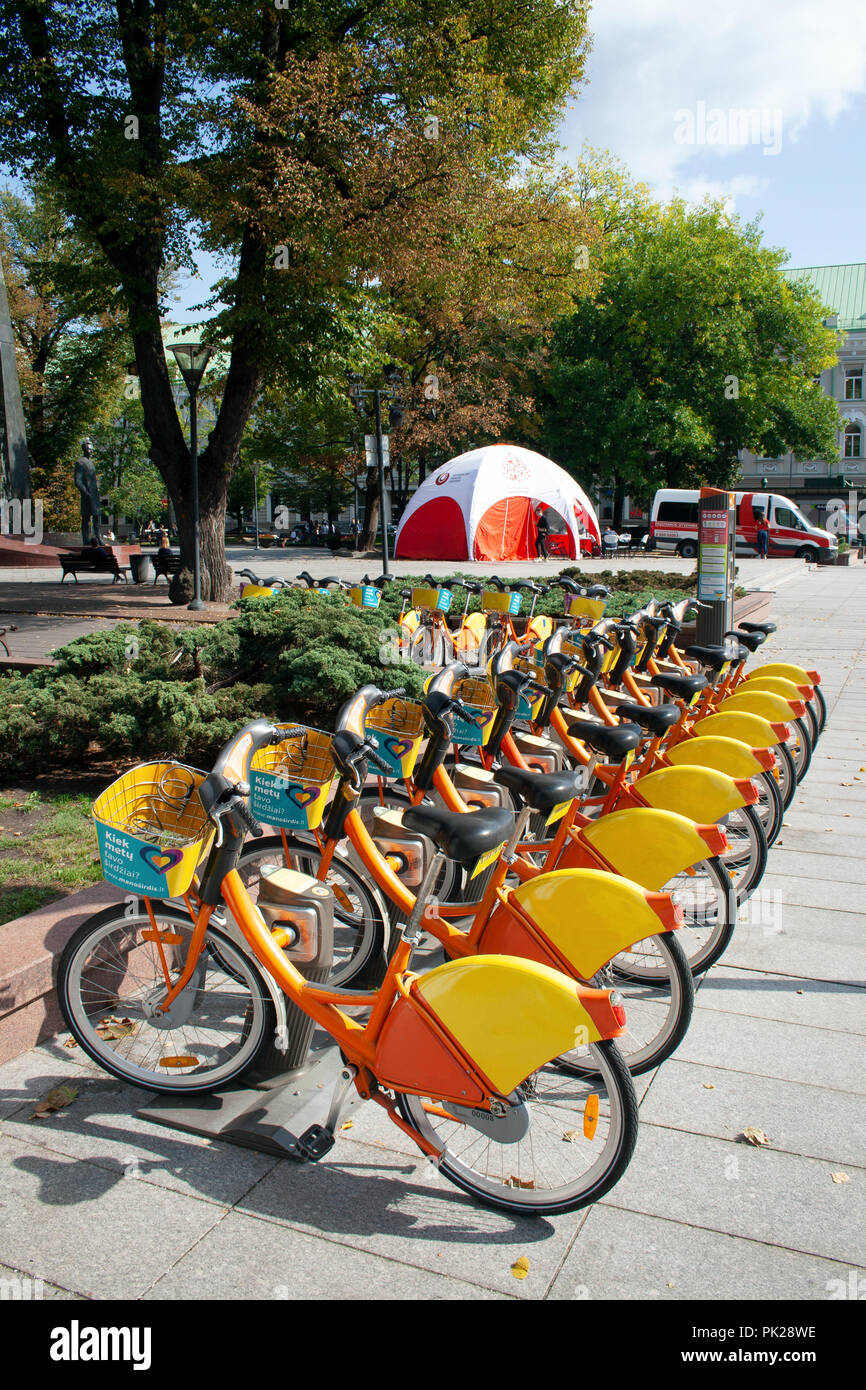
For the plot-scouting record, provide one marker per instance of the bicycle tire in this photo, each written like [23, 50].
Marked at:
[709, 900]
[812, 723]
[787, 773]
[769, 806]
[747, 859]
[643, 986]
[234, 1023]
[801, 751]
[555, 1138]
[822, 708]
[360, 929]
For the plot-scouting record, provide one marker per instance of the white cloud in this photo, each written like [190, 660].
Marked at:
[653, 59]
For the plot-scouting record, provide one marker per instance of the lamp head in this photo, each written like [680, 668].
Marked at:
[192, 358]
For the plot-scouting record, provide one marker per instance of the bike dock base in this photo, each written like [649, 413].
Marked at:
[271, 1116]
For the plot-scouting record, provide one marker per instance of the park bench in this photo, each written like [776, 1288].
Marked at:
[113, 560]
[166, 562]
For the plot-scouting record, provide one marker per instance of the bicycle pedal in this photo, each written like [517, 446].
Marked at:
[314, 1143]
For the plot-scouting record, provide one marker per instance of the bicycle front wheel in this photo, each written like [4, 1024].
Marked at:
[111, 978]
[581, 1135]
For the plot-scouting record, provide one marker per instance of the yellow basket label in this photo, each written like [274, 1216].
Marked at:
[558, 812]
[485, 860]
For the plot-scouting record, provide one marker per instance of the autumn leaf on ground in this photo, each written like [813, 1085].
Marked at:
[70, 1042]
[518, 1182]
[571, 1135]
[840, 1177]
[115, 1028]
[58, 1099]
[753, 1135]
[349, 1124]
[520, 1268]
[709, 1086]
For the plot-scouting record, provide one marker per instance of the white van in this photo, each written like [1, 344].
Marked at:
[674, 526]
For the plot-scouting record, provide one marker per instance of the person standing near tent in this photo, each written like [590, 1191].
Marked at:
[542, 530]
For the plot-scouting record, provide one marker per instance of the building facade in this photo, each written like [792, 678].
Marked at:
[813, 483]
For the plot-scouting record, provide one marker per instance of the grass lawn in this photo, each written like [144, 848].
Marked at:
[47, 848]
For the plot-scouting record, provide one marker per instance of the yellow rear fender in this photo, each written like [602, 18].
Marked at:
[725, 754]
[779, 685]
[768, 706]
[256, 591]
[589, 915]
[750, 729]
[511, 1016]
[540, 628]
[785, 669]
[701, 793]
[646, 845]
[409, 620]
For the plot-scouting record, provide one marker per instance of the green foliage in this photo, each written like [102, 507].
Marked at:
[135, 693]
[693, 348]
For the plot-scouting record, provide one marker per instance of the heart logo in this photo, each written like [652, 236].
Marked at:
[161, 859]
[396, 748]
[302, 796]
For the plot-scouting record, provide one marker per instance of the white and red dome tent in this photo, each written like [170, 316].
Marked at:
[483, 505]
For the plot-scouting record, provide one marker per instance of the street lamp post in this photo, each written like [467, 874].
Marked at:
[192, 358]
[255, 470]
[357, 391]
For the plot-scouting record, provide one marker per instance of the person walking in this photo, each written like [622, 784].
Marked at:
[763, 531]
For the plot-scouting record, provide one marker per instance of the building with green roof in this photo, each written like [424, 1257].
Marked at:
[813, 482]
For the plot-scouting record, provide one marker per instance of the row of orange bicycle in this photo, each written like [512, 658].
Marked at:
[494, 899]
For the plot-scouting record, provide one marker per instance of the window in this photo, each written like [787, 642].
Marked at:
[678, 511]
[853, 442]
[853, 383]
[783, 516]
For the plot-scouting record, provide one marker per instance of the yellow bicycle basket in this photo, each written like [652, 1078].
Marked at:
[290, 780]
[398, 729]
[152, 829]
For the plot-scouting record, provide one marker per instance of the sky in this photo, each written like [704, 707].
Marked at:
[761, 102]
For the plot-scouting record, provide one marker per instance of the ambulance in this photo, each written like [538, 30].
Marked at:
[674, 526]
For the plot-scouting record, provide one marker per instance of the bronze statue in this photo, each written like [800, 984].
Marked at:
[88, 485]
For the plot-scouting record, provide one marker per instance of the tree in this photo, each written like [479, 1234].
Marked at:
[296, 138]
[70, 336]
[693, 348]
[129, 481]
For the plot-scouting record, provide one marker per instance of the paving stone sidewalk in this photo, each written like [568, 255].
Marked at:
[100, 1204]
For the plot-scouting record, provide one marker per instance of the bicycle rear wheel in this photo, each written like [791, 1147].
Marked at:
[658, 991]
[769, 805]
[787, 780]
[570, 1155]
[110, 979]
[746, 857]
[708, 898]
